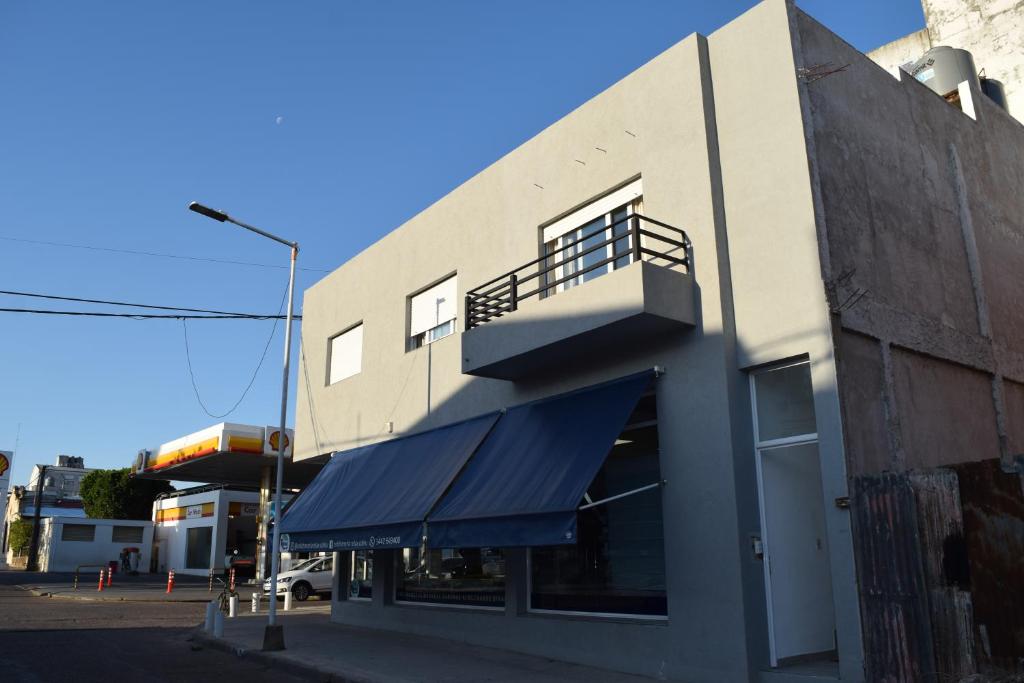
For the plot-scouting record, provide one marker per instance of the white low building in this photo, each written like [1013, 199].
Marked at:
[67, 543]
[196, 529]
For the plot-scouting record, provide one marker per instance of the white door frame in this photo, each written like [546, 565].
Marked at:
[760, 446]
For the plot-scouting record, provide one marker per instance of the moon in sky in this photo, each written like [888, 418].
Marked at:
[279, 120]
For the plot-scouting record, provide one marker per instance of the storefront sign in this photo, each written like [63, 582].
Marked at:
[194, 512]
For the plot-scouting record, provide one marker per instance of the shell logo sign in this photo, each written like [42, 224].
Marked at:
[273, 441]
[5, 464]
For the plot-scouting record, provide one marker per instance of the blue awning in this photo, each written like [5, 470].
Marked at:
[377, 496]
[526, 481]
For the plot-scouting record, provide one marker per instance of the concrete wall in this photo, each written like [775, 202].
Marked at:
[925, 246]
[909, 48]
[992, 30]
[57, 555]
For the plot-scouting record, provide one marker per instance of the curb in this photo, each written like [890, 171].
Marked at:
[276, 661]
[39, 593]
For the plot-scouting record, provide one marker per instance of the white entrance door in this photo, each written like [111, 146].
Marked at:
[797, 571]
[797, 575]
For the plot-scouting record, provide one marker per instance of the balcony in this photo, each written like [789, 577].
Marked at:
[620, 284]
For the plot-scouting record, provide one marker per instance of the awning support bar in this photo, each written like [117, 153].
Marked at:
[623, 495]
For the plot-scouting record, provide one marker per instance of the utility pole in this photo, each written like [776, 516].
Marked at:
[273, 635]
[33, 546]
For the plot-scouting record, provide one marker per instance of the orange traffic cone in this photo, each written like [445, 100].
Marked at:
[170, 581]
[100, 587]
[110, 576]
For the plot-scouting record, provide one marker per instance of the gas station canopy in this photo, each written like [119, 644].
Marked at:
[226, 453]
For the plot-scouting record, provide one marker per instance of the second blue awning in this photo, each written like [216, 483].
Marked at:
[377, 496]
[525, 482]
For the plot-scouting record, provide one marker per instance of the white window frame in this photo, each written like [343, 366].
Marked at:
[330, 381]
[442, 328]
[555, 235]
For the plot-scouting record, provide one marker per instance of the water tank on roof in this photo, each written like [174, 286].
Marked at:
[943, 68]
[995, 91]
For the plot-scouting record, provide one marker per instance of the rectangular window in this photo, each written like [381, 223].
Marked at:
[126, 534]
[346, 355]
[78, 532]
[593, 240]
[361, 575]
[785, 403]
[452, 576]
[617, 565]
[198, 542]
[432, 313]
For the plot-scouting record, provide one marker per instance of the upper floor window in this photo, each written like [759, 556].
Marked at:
[432, 313]
[346, 354]
[593, 240]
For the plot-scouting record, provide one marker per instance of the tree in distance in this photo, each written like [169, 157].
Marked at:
[115, 494]
[20, 535]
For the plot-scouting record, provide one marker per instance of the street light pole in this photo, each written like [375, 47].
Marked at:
[273, 636]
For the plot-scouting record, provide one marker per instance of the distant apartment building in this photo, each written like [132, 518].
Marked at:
[718, 378]
[61, 494]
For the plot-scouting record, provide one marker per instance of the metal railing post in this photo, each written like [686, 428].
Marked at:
[513, 290]
[634, 231]
[469, 309]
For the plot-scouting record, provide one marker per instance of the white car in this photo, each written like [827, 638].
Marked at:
[311, 576]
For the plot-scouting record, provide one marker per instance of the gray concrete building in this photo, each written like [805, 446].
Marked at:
[822, 262]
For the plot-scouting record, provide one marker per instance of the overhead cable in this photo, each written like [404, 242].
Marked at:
[252, 380]
[121, 303]
[146, 316]
[133, 252]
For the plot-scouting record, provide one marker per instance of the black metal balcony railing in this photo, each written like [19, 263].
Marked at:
[563, 266]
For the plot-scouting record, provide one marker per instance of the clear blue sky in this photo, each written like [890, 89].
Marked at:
[329, 122]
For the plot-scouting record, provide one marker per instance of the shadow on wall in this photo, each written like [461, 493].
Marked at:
[607, 341]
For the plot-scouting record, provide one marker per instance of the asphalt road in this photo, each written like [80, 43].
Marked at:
[44, 640]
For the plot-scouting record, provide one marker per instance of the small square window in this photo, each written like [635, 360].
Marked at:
[346, 355]
[432, 313]
[784, 402]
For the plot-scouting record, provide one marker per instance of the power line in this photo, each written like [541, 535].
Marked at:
[145, 316]
[133, 252]
[252, 380]
[121, 303]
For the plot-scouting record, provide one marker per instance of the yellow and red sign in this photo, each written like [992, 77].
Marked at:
[222, 438]
[273, 442]
[184, 512]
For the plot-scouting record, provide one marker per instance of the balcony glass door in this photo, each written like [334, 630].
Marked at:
[572, 248]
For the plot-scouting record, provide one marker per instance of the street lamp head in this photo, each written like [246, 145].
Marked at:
[208, 212]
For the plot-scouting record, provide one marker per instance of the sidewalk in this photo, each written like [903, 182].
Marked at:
[332, 652]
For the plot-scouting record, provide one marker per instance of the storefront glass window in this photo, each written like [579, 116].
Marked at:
[617, 565]
[361, 575]
[452, 576]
